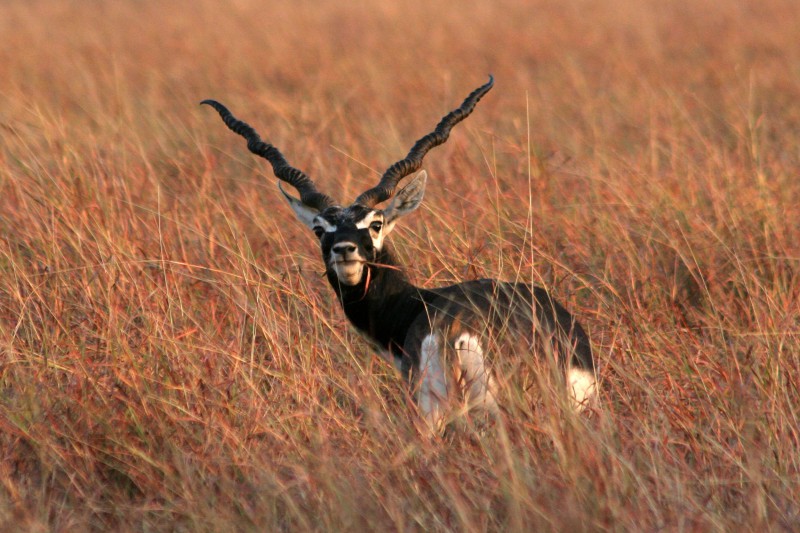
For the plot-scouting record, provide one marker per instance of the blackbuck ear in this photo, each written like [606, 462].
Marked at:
[304, 213]
[406, 200]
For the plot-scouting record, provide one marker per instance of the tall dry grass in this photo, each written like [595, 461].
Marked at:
[172, 360]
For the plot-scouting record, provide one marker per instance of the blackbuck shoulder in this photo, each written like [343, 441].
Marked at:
[448, 342]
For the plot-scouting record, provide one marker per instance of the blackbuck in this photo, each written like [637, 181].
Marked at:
[447, 342]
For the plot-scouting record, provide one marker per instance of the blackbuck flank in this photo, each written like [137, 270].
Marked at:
[457, 346]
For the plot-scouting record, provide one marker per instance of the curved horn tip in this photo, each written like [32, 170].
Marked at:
[216, 105]
[487, 86]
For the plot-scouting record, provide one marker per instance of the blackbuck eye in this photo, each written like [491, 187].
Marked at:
[376, 226]
[319, 231]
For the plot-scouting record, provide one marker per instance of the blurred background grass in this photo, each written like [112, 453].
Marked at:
[172, 360]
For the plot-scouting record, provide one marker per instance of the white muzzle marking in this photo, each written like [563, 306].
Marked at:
[348, 272]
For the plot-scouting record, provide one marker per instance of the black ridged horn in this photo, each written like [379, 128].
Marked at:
[294, 177]
[413, 161]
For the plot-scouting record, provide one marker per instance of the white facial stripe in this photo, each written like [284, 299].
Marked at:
[324, 224]
[369, 219]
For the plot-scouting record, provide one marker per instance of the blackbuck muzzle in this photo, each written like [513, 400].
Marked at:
[443, 340]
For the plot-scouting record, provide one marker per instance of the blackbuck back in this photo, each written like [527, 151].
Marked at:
[450, 343]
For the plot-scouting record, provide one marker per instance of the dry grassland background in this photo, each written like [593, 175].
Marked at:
[171, 358]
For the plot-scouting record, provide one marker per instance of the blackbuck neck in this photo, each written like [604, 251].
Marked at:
[383, 304]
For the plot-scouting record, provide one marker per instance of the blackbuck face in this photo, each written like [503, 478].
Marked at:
[439, 338]
[352, 237]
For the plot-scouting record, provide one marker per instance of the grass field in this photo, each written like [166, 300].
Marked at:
[172, 359]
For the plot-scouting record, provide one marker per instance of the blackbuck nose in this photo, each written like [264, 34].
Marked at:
[344, 248]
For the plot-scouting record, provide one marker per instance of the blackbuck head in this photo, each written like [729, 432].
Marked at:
[353, 236]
